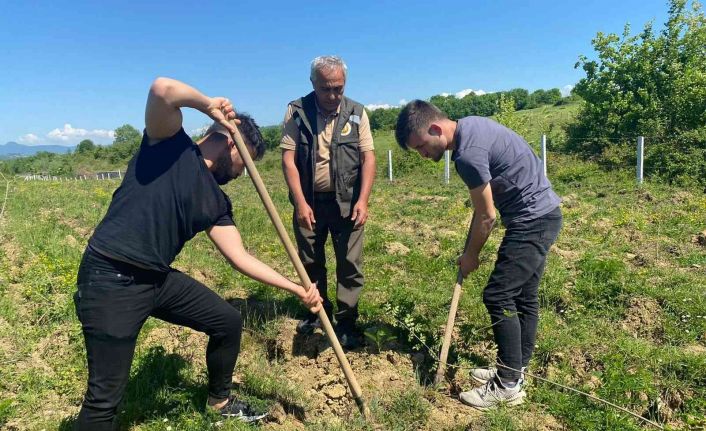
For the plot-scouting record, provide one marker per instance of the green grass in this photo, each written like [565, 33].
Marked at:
[615, 300]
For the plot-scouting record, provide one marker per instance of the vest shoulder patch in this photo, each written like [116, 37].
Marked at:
[346, 129]
[354, 119]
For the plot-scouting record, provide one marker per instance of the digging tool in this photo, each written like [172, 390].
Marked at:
[448, 332]
[303, 276]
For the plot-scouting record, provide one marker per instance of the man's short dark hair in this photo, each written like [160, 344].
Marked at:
[250, 132]
[415, 117]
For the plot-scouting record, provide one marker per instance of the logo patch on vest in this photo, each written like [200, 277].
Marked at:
[346, 130]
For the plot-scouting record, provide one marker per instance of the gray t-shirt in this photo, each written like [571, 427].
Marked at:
[488, 152]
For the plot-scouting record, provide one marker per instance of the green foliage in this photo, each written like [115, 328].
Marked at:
[506, 109]
[379, 336]
[471, 104]
[6, 410]
[272, 136]
[85, 146]
[383, 119]
[406, 411]
[127, 141]
[649, 84]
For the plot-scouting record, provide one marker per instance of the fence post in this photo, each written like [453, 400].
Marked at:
[640, 158]
[245, 171]
[447, 163]
[389, 165]
[120, 175]
[544, 154]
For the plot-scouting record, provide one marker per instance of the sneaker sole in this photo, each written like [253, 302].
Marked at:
[514, 402]
[246, 419]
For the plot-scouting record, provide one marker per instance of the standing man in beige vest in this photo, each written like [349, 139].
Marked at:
[329, 165]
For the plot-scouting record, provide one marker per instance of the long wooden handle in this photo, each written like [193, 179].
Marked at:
[299, 267]
[448, 332]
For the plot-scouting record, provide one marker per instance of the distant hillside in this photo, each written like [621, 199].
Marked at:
[13, 149]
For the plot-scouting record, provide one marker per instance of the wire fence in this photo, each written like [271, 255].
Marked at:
[543, 156]
[104, 175]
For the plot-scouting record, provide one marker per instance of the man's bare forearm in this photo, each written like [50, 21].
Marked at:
[479, 232]
[291, 176]
[367, 175]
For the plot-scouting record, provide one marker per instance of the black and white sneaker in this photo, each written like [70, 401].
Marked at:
[240, 411]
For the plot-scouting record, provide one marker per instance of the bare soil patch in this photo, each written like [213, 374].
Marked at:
[643, 319]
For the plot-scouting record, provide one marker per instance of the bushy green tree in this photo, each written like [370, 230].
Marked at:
[383, 119]
[649, 84]
[86, 146]
[272, 136]
[506, 116]
[127, 141]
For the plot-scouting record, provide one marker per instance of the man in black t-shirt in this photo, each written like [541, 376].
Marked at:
[170, 193]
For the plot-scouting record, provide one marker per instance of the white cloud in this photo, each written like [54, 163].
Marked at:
[566, 90]
[69, 133]
[403, 102]
[29, 138]
[468, 91]
[373, 106]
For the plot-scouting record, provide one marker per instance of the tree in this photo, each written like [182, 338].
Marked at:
[272, 136]
[506, 116]
[652, 85]
[127, 141]
[383, 119]
[85, 146]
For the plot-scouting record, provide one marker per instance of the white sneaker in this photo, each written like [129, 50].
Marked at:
[492, 394]
[483, 375]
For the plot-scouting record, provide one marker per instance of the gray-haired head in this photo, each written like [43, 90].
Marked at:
[327, 62]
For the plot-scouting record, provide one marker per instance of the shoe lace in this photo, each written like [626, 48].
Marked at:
[491, 388]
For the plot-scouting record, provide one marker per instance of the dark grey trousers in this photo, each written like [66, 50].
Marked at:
[348, 248]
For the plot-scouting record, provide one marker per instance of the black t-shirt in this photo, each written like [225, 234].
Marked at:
[167, 196]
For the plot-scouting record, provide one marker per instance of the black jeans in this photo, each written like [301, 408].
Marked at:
[348, 247]
[113, 301]
[511, 295]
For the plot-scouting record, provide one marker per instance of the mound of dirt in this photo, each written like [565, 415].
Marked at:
[396, 248]
[643, 318]
[699, 239]
[310, 361]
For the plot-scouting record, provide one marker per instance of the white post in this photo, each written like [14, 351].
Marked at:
[447, 166]
[102, 176]
[544, 154]
[120, 175]
[245, 171]
[389, 165]
[640, 158]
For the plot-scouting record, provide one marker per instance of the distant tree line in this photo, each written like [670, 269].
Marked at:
[484, 105]
[86, 158]
[650, 84]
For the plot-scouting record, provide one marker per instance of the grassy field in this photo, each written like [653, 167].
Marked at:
[623, 310]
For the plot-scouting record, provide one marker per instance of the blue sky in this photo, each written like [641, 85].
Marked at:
[89, 64]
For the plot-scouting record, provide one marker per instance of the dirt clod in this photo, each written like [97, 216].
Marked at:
[699, 239]
[397, 248]
[643, 318]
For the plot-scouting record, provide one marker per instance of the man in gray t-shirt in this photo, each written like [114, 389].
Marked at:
[501, 171]
[488, 152]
